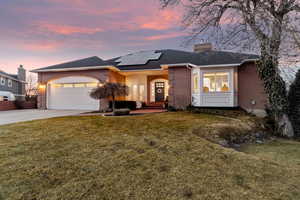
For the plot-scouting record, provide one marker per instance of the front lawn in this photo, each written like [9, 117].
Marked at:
[283, 151]
[158, 156]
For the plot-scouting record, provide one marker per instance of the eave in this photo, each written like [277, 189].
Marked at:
[113, 68]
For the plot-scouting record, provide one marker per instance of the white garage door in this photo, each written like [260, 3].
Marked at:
[72, 93]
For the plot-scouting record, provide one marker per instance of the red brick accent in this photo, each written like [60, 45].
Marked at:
[7, 105]
[28, 105]
[179, 87]
[250, 87]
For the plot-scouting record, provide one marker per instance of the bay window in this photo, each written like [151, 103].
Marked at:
[216, 82]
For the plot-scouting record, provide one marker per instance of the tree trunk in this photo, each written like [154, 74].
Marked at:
[277, 94]
[113, 103]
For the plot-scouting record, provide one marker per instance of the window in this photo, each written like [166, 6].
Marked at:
[216, 82]
[2, 81]
[67, 85]
[135, 92]
[195, 83]
[9, 83]
[57, 85]
[92, 85]
[79, 85]
[142, 92]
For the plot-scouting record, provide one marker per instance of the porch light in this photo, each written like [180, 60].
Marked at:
[42, 86]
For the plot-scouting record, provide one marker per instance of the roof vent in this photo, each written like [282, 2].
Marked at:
[203, 47]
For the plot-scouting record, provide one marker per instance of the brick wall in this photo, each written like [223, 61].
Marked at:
[179, 87]
[7, 105]
[251, 89]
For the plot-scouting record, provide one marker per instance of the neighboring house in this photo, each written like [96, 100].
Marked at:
[12, 86]
[203, 78]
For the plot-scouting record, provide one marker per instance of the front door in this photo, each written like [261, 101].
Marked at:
[159, 91]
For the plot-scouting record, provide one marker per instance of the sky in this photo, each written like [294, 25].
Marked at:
[39, 33]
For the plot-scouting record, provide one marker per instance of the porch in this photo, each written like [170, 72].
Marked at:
[147, 88]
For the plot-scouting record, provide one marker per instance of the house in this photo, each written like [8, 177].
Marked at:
[12, 86]
[203, 78]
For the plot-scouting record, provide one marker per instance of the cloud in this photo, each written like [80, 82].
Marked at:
[41, 46]
[165, 36]
[79, 28]
[67, 29]
[162, 20]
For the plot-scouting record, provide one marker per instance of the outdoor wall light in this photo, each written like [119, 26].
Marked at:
[42, 86]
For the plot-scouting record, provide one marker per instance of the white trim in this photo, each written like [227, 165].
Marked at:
[166, 66]
[77, 69]
[136, 70]
[229, 65]
[211, 66]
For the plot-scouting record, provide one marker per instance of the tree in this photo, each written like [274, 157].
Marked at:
[109, 90]
[272, 26]
[31, 87]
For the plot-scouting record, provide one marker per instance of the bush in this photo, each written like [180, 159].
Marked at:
[25, 104]
[31, 98]
[124, 104]
[120, 112]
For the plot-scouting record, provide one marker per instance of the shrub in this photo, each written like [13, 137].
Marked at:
[124, 104]
[172, 109]
[120, 112]
[20, 104]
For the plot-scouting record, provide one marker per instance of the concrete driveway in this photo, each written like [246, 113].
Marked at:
[13, 116]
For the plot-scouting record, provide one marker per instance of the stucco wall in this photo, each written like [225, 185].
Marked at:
[43, 78]
[251, 89]
[179, 87]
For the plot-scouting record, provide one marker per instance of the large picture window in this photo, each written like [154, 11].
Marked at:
[216, 82]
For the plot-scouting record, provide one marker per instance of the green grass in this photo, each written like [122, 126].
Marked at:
[164, 156]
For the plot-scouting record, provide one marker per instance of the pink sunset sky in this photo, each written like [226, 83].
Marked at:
[38, 33]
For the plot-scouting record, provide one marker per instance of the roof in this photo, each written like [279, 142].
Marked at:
[86, 62]
[288, 74]
[11, 76]
[167, 56]
[201, 59]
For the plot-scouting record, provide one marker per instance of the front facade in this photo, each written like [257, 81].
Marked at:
[12, 86]
[205, 78]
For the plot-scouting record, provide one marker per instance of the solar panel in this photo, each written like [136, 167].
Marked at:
[139, 58]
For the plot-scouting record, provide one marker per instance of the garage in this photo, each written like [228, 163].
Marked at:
[72, 93]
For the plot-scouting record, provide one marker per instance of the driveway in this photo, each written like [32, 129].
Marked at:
[13, 116]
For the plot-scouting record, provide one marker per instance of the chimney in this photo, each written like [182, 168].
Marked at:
[203, 47]
[21, 73]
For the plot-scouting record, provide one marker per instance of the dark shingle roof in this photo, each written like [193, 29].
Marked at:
[13, 76]
[176, 57]
[168, 57]
[86, 62]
